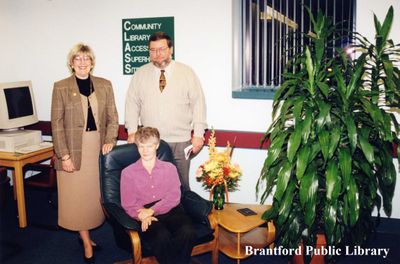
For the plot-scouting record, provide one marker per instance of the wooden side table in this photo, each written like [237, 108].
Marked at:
[238, 231]
[18, 161]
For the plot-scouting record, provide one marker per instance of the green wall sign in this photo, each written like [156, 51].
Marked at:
[135, 37]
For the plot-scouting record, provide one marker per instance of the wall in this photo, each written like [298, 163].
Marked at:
[37, 35]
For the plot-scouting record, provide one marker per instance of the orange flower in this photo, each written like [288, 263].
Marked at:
[218, 170]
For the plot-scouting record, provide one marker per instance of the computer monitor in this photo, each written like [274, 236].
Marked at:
[17, 105]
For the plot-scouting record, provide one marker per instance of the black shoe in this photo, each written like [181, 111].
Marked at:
[89, 260]
[96, 247]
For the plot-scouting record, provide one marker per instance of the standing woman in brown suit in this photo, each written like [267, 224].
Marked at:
[84, 122]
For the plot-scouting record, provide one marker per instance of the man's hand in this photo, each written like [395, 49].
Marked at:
[147, 222]
[197, 143]
[144, 213]
[131, 138]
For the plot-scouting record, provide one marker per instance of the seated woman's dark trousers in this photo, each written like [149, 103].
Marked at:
[172, 237]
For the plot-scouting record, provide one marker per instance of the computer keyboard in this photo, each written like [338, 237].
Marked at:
[33, 148]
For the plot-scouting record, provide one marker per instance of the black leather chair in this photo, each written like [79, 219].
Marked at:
[126, 229]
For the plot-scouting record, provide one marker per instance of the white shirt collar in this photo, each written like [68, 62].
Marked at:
[168, 69]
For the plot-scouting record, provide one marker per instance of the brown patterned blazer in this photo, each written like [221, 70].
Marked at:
[67, 118]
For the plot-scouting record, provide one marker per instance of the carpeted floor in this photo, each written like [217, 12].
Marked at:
[41, 243]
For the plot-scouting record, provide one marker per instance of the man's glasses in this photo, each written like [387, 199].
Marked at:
[159, 50]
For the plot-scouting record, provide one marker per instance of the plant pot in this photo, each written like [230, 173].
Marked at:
[316, 259]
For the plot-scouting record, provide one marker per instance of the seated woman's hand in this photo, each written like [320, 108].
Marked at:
[147, 222]
[144, 213]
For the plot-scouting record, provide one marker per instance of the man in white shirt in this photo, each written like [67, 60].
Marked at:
[167, 95]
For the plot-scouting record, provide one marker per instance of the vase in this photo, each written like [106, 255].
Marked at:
[219, 197]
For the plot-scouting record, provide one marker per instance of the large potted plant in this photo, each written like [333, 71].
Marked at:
[330, 161]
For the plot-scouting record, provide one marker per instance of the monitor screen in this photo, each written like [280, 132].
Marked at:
[19, 102]
[17, 105]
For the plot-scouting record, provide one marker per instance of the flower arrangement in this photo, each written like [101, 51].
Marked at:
[218, 173]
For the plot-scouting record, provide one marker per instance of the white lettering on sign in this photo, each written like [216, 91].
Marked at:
[145, 26]
[128, 37]
[129, 58]
[129, 69]
[135, 48]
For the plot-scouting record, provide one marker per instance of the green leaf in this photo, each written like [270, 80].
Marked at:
[345, 165]
[315, 149]
[351, 131]
[270, 214]
[275, 149]
[302, 161]
[333, 186]
[298, 107]
[356, 77]
[323, 116]
[294, 142]
[367, 149]
[310, 70]
[388, 169]
[385, 29]
[388, 66]
[373, 110]
[324, 88]
[377, 24]
[323, 138]
[287, 104]
[307, 125]
[286, 205]
[353, 202]
[334, 140]
[340, 83]
[330, 217]
[283, 179]
[345, 214]
[291, 229]
[319, 48]
[308, 194]
[387, 128]
[268, 175]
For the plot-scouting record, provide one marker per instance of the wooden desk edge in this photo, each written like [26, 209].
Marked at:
[21, 156]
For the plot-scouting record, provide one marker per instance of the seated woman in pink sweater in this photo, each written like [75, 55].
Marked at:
[150, 193]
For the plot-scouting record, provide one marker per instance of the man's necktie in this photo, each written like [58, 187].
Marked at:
[163, 81]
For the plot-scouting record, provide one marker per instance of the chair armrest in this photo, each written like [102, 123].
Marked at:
[136, 247]
[196, 207]
[119, 214]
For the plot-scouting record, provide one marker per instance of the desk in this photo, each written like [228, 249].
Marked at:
[18, 161]
[239, 231]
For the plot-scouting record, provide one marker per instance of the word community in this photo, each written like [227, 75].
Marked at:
[309, 250]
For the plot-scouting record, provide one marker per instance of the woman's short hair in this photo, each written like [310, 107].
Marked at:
[159, 36]
[144, 133]
[77, 50]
